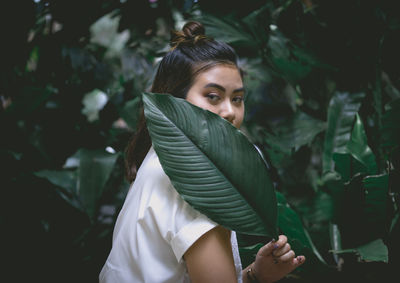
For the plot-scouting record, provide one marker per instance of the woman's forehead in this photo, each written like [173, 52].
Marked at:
[222, 75]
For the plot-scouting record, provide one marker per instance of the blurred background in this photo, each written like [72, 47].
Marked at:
[323, 104]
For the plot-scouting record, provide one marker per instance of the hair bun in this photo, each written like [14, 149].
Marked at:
[190, 34]
[193, 29]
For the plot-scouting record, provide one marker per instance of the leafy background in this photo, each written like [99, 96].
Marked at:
[323, 101]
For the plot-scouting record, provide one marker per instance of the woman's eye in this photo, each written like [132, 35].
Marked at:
[213, 97]
[238, 99]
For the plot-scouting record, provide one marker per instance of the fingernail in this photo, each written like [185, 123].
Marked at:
[276, 246]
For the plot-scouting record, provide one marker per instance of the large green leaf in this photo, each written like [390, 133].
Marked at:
[357, 156]
[95, 167]
[212, 165]
[342, 110]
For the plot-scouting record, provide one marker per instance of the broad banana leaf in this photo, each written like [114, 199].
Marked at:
[212, 165]
[341, 113]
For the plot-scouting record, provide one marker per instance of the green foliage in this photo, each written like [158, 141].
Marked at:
[373, 251]
[322, 104]
[341, 112]
[291, 225]
[212, 165]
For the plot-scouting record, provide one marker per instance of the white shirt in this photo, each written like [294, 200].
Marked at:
[153, 231]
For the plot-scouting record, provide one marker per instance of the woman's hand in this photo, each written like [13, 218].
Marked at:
[275, 260]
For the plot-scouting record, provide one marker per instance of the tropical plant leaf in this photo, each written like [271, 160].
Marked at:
[66, 180]
[87, 181]
[63, 179]
[226, 30]
[376, 198]
[372, 251]
[347, 166]
[95, 167]
[291, 225]
[342, 110]
[295, 132]
[359, 149]
[357, 156]
[212, 165]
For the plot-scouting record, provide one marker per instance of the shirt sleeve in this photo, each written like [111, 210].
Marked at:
[190, 232]
[178, 223]
[182, 224]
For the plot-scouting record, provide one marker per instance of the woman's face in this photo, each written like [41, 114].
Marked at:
[220, 90]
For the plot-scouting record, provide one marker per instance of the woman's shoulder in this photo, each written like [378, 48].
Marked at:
[151, 168]
[152, 183]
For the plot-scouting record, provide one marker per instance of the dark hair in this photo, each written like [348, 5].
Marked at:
[191, 53]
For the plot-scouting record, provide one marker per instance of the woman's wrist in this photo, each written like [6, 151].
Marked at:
[251, 275]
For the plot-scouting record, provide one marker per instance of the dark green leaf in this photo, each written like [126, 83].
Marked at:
[95, 167]
[372, 251]
[347, 166]
[295, 132]
[212, 165]
[356, 157]
[376, 198]
[359, 149]
[334, 185]
[291, 225]
[226, 30]
[63, 179]
[342, 110]
[293, 70]
[66, 180]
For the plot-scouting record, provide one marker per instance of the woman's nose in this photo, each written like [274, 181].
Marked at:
[227, 112]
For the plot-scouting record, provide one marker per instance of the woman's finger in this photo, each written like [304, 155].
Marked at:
[267, 249]
[287, 257]
[282, 240]
[281, 251]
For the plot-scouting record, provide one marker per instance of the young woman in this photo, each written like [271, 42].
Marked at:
[159, 237]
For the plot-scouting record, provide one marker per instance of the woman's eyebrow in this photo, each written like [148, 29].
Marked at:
[220, 87]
